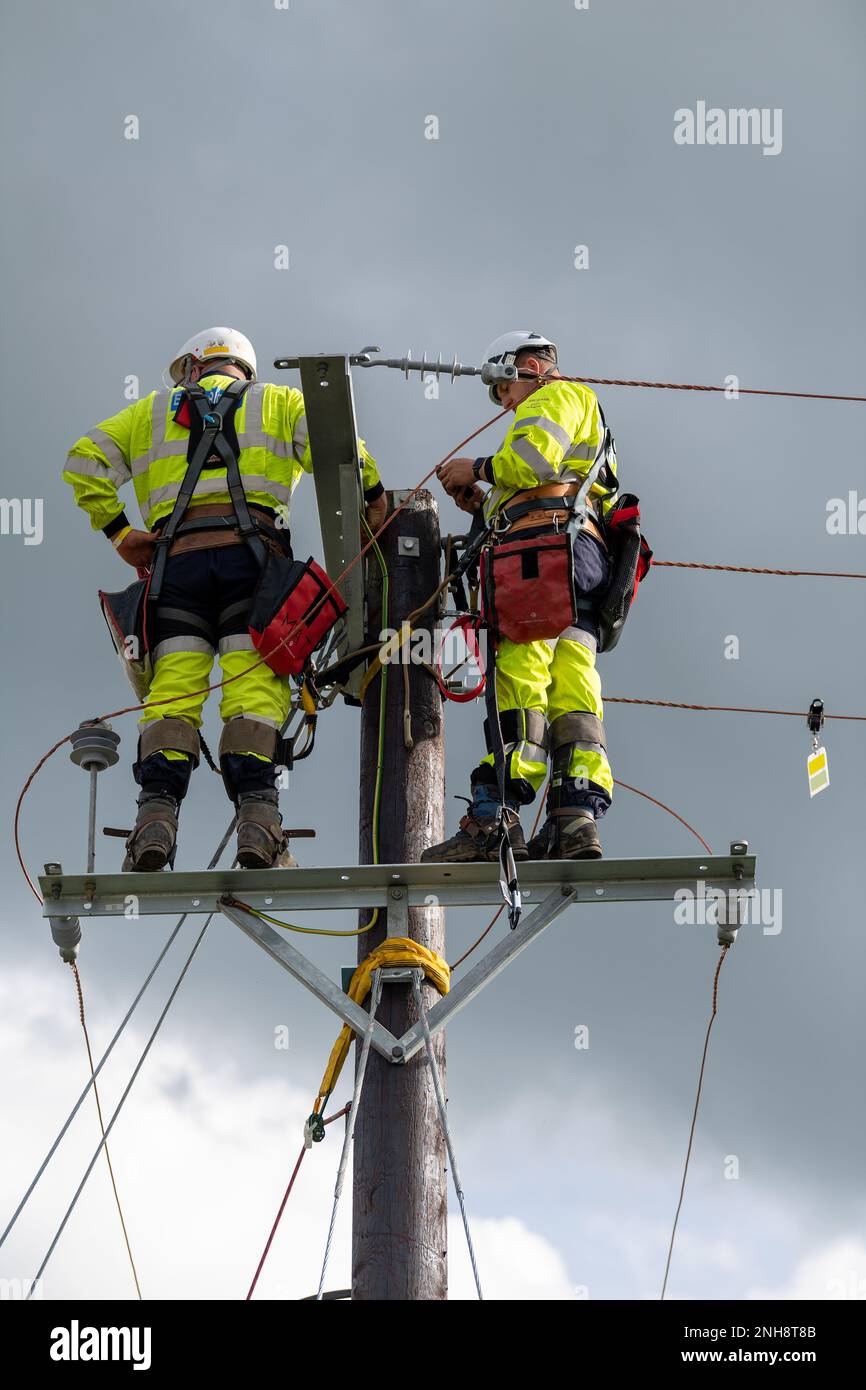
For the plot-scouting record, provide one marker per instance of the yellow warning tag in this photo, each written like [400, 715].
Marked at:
[819, 775]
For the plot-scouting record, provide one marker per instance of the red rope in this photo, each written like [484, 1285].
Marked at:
[286, 1194]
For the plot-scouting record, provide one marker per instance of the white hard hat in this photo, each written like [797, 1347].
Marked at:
[211, 343]
[505, 348]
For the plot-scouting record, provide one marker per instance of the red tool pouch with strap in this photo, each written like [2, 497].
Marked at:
[294, 608]
[528, 586]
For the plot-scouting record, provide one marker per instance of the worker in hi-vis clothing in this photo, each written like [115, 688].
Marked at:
[548, 692]
[209, 580]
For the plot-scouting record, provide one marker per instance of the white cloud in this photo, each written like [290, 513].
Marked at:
[202, 1157]
[513, 1262]
[836, 1271]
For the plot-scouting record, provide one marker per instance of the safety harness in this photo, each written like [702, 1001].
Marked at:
[213, 443]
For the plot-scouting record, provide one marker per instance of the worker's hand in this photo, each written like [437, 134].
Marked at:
[137, 548]
[376, 512]
[469, 499]
[455, 475]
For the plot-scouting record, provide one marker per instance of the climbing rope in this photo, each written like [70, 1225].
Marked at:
[393, 951]
[260, 1266]
[443, 1120]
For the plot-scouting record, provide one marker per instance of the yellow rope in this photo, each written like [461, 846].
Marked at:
[394, 950]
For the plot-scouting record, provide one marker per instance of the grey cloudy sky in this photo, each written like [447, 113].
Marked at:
[305, 127]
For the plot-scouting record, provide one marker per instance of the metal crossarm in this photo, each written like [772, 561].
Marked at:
[315, 980]
[547, 887]
[371, 885]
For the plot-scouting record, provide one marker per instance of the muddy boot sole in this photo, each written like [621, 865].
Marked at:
[150, 861]
[153, 842]
[261, 842]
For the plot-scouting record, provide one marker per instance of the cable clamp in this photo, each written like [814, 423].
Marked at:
[314, 1130]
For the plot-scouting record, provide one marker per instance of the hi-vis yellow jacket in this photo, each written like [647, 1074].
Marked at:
[143, 443]
[554, 438]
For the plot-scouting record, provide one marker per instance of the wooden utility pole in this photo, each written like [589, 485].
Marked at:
[399, 1197]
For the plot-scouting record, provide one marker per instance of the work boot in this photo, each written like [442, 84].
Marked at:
[537, 847]
[153, 841]
[578, 837]
[261, 842]
[477, 841]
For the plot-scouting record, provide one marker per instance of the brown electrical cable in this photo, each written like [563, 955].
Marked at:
[725, 950]
[754, 569]
[687, 386]
[725, 709]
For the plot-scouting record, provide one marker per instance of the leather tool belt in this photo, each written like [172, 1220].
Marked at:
[538, 506]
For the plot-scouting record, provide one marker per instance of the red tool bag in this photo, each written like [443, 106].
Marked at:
[528, 586]
[294, 608]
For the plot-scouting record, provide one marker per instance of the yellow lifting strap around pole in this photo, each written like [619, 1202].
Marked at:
[387, 652]
[395, 950]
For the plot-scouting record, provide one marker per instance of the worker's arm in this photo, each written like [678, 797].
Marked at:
[97, 465]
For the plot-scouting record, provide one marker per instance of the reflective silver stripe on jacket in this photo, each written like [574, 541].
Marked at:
[582, 451]
[300, 436]
[527, 451]
[253, 436]
[116, 462]
[94, 468]
[550, 427]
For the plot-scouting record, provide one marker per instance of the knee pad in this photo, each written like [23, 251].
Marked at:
[525, 729]
[583, 731]
[161, 736]
[241, 737]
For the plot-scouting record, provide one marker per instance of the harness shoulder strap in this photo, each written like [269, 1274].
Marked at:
[207, 436]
